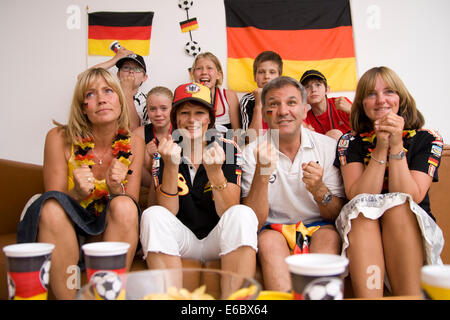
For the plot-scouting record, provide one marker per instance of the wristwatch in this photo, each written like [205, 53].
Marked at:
[398, 156]
[326, 198]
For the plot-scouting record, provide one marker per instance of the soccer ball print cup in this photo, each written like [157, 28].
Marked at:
[106, 267]
[28, 266]
[317, 276]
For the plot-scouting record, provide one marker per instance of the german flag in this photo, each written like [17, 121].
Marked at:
[189, 25]
[307, 34]
[29, 277]
[131, 29]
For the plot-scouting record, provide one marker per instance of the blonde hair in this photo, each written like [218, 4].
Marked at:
[214, 59]
[78, 125]
[162, 91]
[359, 121]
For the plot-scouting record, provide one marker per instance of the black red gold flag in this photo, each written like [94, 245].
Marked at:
[131, 29]
[308, 34]
[189, 25]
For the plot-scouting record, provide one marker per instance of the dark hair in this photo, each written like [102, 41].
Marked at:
[268, 56]
[359, 121]
[282, 82]
[211, 112]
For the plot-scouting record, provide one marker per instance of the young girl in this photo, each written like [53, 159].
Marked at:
[159, 104]
[387, 165]
[207, 70]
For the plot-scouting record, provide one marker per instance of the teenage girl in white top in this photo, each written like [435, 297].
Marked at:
[207, 70]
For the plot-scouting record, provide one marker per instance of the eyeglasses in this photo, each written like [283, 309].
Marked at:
[135, 69]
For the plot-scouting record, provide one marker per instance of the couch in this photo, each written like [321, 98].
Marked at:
[23, 180]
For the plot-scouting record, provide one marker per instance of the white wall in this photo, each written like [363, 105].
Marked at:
[43, 50]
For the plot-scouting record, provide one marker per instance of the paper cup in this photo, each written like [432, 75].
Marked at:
[114, 46]
[28, 270]
[317, 276]
[435, 282]
[106, 266]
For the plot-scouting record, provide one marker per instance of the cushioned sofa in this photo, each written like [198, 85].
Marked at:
[23, 180]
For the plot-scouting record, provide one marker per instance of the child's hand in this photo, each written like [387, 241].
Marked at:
[342, 104]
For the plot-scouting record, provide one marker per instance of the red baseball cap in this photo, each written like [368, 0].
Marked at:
[192, 92]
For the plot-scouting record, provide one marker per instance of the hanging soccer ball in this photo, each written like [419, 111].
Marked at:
[107, 284]
[44, 273]
[192, 48]
[185, 4]
[324, 289]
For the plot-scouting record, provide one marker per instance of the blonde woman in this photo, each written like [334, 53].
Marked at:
[92, 172]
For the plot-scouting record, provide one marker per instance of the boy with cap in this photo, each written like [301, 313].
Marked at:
[197, 182]
[132, 73]
[328, 116]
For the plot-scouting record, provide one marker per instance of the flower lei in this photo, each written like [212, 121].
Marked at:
[95, 203]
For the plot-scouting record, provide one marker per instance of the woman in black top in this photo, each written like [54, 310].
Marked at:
[388, 163]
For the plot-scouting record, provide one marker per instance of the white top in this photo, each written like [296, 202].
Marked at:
[224, 117]
[289, 200]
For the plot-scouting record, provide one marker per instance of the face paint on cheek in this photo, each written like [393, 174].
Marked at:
[85, 105]
[269, 113]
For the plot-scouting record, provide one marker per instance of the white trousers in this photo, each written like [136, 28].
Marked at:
[162, 231]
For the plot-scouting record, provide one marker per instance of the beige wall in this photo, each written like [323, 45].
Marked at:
[43, 49]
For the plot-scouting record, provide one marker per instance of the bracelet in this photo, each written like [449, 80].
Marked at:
[166, 194]
[123, 188]
[220, 186]
[379, 161]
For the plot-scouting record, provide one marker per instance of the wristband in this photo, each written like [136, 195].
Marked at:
[166, 194]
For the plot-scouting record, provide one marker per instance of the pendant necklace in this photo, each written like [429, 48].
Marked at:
[100, 160]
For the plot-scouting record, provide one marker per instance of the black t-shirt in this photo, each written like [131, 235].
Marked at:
[196, 204]
[423, 153]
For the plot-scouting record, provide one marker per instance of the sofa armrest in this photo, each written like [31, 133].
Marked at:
[20, 182]
[440, 201]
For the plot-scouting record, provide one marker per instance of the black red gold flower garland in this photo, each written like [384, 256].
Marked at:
[96, 201]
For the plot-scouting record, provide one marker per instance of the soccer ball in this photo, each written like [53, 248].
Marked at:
[44, 273]
[11, 287]
[324, 289]
[107, 284]
[192, 48]
[185, 4]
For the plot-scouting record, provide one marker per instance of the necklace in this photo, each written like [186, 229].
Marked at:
[100, 160]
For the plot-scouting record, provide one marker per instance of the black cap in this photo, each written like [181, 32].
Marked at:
[134, 57]
[312, 73]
